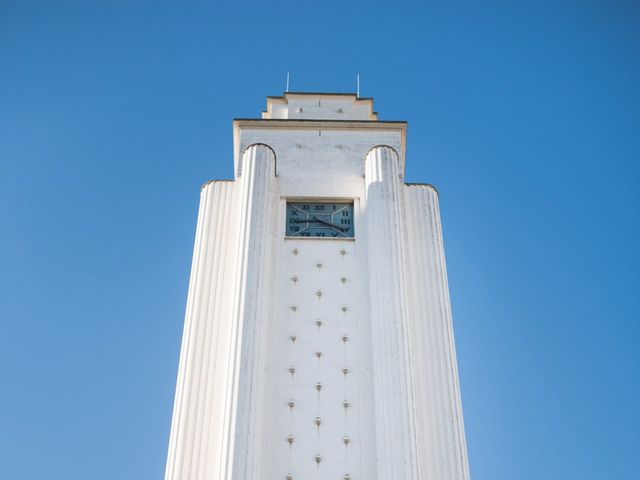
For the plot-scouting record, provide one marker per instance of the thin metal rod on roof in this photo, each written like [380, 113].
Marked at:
[357, 85]
[287, 88]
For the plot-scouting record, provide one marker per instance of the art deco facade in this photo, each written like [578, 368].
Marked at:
[318, 340]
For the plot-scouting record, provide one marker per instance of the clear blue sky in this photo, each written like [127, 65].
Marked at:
[525, 115]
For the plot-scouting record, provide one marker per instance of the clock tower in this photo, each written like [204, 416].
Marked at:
[318, 341]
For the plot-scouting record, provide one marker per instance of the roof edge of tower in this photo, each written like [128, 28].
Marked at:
[302, 105]
[336, 94]
[319, 120]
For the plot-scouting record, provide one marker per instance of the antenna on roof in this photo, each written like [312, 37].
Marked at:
[357, 85]
[287, 89]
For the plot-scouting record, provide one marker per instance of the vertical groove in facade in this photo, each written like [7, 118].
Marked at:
[438, 411]
[392, 391]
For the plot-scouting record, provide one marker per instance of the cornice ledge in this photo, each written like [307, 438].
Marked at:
[310, 122]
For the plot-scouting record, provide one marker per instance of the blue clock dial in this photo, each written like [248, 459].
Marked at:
[330, 220]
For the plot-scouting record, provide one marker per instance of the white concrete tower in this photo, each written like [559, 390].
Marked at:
[318, 342]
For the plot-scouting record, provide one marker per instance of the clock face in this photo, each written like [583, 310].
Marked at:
[331, 220]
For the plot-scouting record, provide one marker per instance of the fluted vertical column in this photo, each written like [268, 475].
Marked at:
[212, 426]
[255, 291]
[441, 442]
[202, 402]
[392, 389]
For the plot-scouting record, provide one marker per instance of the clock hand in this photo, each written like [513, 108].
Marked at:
[307, 220]
[316, 219]
[330, 224]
